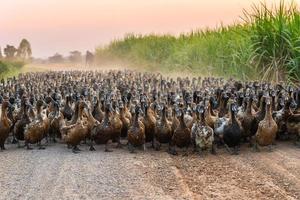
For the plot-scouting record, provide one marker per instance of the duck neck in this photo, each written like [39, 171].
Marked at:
[164, 115]
[4, 117]
[75, 116]
[3, 113]
[39, 112]
[268, 115]
[182, 123]
[249, 107]
[136, 119]
[232, 116]
[210, 109]
[202, 119]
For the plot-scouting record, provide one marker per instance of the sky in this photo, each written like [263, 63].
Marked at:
[64, 25]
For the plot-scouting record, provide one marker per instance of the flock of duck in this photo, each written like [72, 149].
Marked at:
[134, 108]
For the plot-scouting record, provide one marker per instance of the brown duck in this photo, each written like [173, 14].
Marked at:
[5, 124]
[136, 133]
[267, 128]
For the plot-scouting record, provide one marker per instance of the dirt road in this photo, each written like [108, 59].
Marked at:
[56, 173]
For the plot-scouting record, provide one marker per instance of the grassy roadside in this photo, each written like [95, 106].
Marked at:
[266, 46]
[10, 68]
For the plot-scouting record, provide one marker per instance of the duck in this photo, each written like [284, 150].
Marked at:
[5, 124]
[53, 117]
[293, 127]
[202, 133]
[232, 130]
[125, 120]
[210, 118]
[36, 130]
[181, 137]
[248, 120]
[117, 125]
[102, 133]
[97, 112]
[149, 122]
[163, 130]
[267, 128]
[67, 111]
[73, 134]
[136, 132]
[21, 123]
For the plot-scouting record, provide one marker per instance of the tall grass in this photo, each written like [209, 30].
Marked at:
[9, 68]
[275, 39]
[265, 46]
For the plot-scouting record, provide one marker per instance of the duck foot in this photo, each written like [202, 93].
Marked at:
[108, 150]
[157, 146]
[29, 148]
[213, 151]
[119, 145]
[270, 148]
[92, 148]
[173, 152]
[14, 141]
[130, 148]
[42, 148]
[228, 149]
[297, 144]
[255, 148]
[75, 150]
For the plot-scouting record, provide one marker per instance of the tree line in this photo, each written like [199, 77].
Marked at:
[23, 52]
[74, 57]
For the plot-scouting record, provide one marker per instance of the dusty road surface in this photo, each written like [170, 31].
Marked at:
[56, 173]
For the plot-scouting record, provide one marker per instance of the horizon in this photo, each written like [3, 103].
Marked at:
[60, 27]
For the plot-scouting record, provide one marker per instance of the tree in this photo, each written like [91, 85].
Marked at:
[75, 56]
[24, 50]
[0, 53]
[89, 58]
[57, 58]
[10, 51]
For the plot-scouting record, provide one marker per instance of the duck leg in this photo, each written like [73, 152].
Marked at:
[119, 144]
[130, 148]
[157, 145]
[152, 144]
[172, 150]
[255, 147]
[228, 149]
[41, 147]
[297, 141]
[2, 147]
[14, 140]
[213, 150]
[92, 148]
[28, 146]
[235, 150]
[270, 148]
[75, 149]
[106, 147]
[186, 151]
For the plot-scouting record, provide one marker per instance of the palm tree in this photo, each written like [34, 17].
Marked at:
[24, 50]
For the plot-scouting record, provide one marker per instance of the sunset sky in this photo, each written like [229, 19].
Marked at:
[64, 25]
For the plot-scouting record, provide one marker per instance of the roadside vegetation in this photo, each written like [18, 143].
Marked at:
[265, 46]
[13, 59]
[10, 68]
